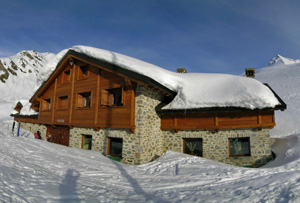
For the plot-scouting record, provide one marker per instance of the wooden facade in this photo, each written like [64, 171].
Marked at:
[86, 95]
[218, 120]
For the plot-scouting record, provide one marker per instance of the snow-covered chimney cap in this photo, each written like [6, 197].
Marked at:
[250, 72]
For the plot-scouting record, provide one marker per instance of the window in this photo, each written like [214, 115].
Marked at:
[192, 146]
[115, 147]
[112, 97]
[62, 102]
[66, 76]
[84, 100]
[46, 104]
[239, 146]
[87, 142]
[83, 72]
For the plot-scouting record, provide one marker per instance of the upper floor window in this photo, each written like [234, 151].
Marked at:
[62, 102]
[84, 100]
[239, 146]
[46, 104]
[192, 146]
[83, 72]
[112, 97]
[66, 76]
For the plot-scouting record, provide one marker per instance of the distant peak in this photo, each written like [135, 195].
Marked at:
[278, 59]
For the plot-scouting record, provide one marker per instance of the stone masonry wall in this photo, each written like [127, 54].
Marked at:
[99, 141]
[34, 128]
[215, 145]
[147, 123]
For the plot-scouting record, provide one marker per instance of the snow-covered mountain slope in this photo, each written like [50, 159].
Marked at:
[34, 170]
[284, 78]
[19, 75]
[280, 60]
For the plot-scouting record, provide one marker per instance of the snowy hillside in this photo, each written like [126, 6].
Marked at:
[19, 75]
[34, 170]
[283, 75]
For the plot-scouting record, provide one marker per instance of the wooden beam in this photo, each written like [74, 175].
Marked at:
[73, 68]
[97, 97]
[53, 100]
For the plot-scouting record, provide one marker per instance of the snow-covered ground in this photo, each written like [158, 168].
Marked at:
[34, 170]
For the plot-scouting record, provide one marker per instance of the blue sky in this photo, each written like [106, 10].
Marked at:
[211, 36]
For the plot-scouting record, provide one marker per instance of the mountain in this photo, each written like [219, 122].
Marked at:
[279, 60]
[19, 75]
[283, 75]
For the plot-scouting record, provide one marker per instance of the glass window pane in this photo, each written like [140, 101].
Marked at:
[193, 146]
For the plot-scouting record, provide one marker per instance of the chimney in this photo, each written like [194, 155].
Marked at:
[181, 70]
[250, 72]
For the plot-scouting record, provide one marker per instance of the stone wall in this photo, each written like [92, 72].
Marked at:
[147, 123]
[34, 128]
[215, 144]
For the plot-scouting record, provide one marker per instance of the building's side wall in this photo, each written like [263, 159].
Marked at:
[147, 123]
[215, 144]
[34, 128]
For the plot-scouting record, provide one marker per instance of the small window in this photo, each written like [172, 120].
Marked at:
[115, 146]
[239, 146]
[62, 102]
[192, 146]
[66, 76]
[84, 100]
[46, 104]
[87, 142]
[112, 97]
[83, 72]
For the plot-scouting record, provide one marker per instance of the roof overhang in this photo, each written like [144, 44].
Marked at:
[282, 106]
[136, 77]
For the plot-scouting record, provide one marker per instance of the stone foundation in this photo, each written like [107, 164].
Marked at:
[34, 128]
[215, 145]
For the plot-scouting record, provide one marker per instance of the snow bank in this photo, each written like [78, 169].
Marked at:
[194, 90]
[34, 170]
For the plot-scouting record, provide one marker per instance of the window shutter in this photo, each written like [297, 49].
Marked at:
[110, 99]
[104, 97]
[80, 101]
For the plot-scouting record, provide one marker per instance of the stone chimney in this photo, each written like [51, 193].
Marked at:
[250, 72]
[181, 70]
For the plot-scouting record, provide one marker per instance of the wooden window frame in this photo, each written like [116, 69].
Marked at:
[79, 104]
[108, 97]
[66, 76]
[184, 150]
[59, 101]
[46, 104]
[82, 139]
[109, 139]
[81, 74]
[239, 155]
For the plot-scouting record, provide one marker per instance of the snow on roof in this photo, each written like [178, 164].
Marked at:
[194, 90]
[26, 109]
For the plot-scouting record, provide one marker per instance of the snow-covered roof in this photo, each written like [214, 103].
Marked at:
[26, 109]
[194, 90]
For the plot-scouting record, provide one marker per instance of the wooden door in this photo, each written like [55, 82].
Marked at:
[58, 135]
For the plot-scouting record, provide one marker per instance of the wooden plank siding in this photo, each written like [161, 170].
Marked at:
[218, 121]
[71, 83]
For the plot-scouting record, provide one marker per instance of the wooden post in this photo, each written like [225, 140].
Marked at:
[72, 92]
[97, 97]
[53, 100]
